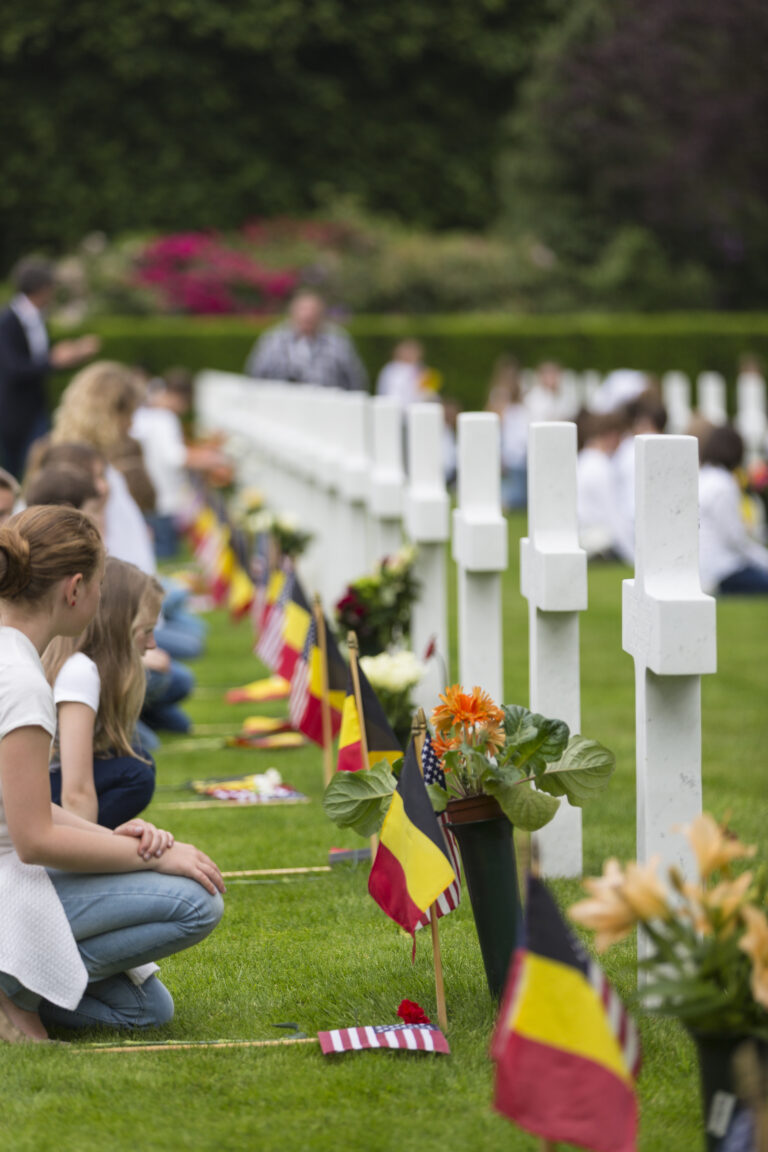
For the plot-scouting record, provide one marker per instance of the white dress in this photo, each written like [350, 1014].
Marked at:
[36, 941]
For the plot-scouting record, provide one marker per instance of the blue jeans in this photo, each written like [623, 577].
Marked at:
[120, 921]
[749, 581]
[180, 633]
[124, 787]
[166, 538]
[164, 691]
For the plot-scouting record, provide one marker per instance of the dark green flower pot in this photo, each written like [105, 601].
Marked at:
[486, 843]
[724, 1111]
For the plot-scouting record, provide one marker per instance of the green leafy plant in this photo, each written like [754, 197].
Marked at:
[526, 761]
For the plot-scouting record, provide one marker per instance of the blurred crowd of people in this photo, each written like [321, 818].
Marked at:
[626, 404]
[116, 449]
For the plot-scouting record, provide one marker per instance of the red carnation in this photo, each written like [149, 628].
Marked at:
[411, 1013]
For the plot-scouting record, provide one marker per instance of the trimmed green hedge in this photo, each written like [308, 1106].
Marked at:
[463, 348]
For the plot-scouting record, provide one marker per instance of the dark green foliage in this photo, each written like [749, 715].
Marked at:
[636, 149]
[464, 348]
[187, 115]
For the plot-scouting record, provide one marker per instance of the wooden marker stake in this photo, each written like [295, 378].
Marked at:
[353, 655]
[325, 703]
[419, 733]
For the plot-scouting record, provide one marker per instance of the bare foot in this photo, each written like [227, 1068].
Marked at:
[17, 1025]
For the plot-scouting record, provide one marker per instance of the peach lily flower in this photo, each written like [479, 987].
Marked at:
[755, 943]
[712, 846]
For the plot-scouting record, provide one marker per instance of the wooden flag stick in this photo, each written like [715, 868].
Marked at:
[325, 703]
[176, 1046]
[419, 733]
[276, 871]
[353, 655]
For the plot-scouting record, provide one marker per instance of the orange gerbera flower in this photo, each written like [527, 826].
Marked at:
[442, 744]
[465, 708]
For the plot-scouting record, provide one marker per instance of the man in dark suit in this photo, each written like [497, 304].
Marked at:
[26, 360]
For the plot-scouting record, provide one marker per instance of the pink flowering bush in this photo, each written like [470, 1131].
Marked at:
[206, 274]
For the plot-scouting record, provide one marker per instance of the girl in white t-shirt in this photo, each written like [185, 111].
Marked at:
[85, 910]
[99, 771]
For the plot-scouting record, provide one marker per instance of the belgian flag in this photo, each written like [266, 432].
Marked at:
[241, 592]
[381, 740]
[566, 1050]
[296, 620]
[306, 709]
[412, 865]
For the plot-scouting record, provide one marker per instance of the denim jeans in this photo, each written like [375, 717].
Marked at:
[124, 787]
[749, 581]
[120, 921]
[164, 691]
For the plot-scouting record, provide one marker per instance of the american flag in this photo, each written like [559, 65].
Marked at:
[450, 898]
[621, 1023]
[271, 640]
[297, 704]
[410, 1037]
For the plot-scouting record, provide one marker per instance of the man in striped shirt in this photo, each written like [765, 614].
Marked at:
[307, 350]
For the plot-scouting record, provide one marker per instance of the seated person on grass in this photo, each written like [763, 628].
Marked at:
[99, 770]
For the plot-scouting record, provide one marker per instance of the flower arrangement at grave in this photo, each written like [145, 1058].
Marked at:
[377, 607]
[709, 936]
[393, 676]
[290, 538]
[523, 761]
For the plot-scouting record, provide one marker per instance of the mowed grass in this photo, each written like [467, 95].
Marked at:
[317, 951]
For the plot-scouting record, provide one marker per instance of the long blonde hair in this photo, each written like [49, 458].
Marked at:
[92, 404]
[109, 642]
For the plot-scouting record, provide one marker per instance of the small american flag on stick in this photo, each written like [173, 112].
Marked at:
[409, 1037]
[448, 900]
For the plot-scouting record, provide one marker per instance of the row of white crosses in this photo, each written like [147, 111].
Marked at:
[711, 403]
[309, 451]
[334, 460]
[668, 629]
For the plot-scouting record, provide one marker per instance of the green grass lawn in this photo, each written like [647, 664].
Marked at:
[316, 950]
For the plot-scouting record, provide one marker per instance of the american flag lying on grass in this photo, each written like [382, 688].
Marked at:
[408, 1037]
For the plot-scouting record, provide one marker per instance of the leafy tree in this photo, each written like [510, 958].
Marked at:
[192, 114]
[648, 115]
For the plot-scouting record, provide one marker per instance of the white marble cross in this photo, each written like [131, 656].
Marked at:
[711, 397]
[480, 551]
[426, 523]
[676, 392]
[750, 413]
[553, 579]
[385, 495]
[353, 483]
[668, 627]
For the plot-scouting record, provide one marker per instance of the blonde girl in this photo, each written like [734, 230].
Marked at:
[84, 909]
[99, 771]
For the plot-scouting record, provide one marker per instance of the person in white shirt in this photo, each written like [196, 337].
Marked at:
[77, 930]
[730, 560]
[402, 377]
[167, 458]
[100, 771]
[546, 400]
[597, 506]
[98, 407]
